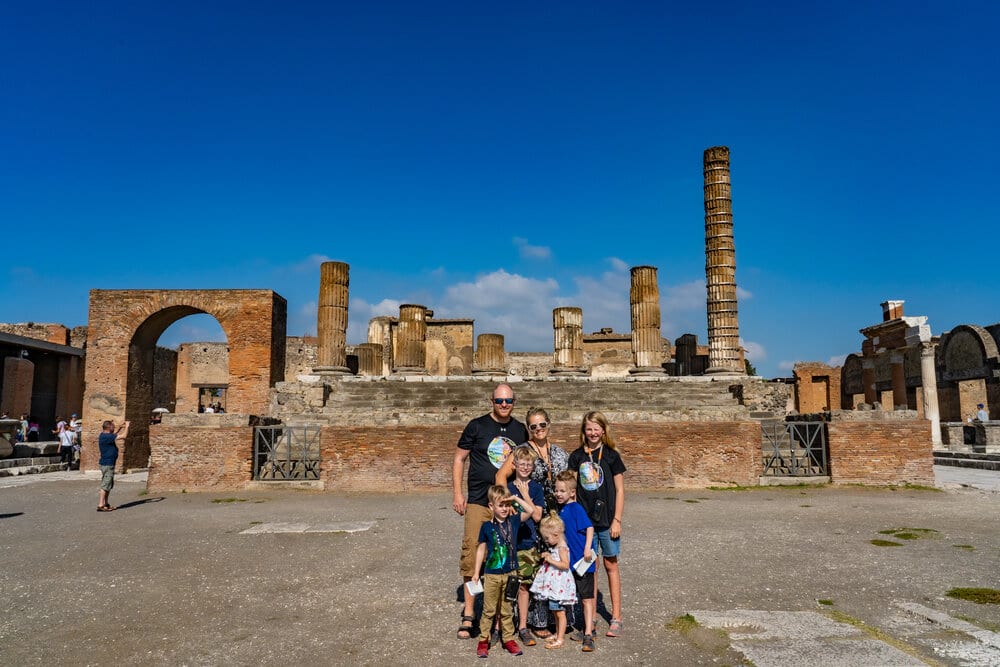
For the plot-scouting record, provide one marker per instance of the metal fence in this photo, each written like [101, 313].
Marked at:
[286, 453]
[795, 449]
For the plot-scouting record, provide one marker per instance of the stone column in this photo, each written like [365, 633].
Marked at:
[896, 360]
[369, 359]
[411, 341]
[928, 381]
[489, 357]
[18, 384]
[380, 332]
[647, 343]
[720, 266]
[331, 319]
[567, 325]
[868, 380]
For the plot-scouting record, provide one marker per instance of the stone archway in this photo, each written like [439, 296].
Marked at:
[123, 327]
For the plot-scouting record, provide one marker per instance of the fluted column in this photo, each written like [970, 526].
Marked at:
[331, 319]
[647, 342]
[567, 325]
[489, 357]
[369, 359]
[896, 361]
[928, 382]
[411, 341]
[868, 380]
[720, 266]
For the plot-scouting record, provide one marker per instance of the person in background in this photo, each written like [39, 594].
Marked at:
[981, 413]
[107, 442]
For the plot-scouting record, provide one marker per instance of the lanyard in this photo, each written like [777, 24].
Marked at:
[600, 454]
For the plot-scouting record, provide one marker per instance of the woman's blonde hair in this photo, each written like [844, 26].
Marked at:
[597, 418]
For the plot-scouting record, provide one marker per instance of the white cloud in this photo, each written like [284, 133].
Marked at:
[529, 251]
[786, 365]
[310, 263]
[360, 312]
[618, 265]
[755, 352]
[686, 296]
[742, 293]
[837, 360]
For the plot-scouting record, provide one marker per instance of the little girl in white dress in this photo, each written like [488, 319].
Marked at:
[554, 581]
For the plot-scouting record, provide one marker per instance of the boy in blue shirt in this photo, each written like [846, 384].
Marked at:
[497, 550]
[580, 540]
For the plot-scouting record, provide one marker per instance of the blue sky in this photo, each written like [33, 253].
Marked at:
[497, 160]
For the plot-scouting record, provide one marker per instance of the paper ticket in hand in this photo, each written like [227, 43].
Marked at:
[474, 586]
[581, 566]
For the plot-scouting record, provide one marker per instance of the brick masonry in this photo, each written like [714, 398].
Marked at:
[892, 451]
[123, 327]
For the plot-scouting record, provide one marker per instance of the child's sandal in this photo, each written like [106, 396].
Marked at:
[554, 644]
[467, 629]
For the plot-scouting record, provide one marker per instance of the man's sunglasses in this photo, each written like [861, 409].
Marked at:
[504, 401]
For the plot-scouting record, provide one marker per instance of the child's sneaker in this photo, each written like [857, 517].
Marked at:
[588, 643]
[512, 647]
[615, 629]
[576, 636]
[483, 649]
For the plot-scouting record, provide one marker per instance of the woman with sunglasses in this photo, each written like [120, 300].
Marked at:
[551, 460]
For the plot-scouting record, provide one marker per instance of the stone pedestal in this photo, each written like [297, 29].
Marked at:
[331, 319]
[489, 357]
[369, 359]
[720, 267]
[647, 344]
[411, 341]
[567, 325]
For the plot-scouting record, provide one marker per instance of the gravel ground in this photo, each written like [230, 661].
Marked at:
[171, 580]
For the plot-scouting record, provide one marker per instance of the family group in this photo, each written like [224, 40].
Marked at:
[538, 522]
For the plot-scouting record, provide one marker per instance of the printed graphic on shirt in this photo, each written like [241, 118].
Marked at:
[498, 554]
[591, 476]
[499, 449]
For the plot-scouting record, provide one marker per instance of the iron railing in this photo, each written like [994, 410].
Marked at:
[286, 452]
[795, 449]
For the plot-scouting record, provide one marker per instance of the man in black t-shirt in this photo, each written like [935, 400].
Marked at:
[485, 443]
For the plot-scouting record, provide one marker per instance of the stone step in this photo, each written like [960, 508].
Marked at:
[28, 461]
[32, 469]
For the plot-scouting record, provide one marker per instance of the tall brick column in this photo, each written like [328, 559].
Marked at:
[720, 266]
[18, 383]
[489, 357]
[331, 319]
[897, 363]
[647, 343]
[369, 358]
[868, 380]
[567, 325]
[411, 341]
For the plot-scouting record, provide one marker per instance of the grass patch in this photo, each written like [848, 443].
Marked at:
[683, 624]
[977, 595]
[691, 500]
[886, 543]
[966, 547]
[229, 500]
[805, 505]
[143, 492]
[827, 603]
[909, 533]
[256, 523]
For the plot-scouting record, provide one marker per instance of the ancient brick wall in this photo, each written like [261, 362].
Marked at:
[200, 364]
[50, 333]
[124, 326]
[165, 378]
[890, 451]
[300, 356]
[817, 387]
[214, 456]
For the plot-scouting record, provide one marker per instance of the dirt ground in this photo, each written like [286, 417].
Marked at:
[172, 579]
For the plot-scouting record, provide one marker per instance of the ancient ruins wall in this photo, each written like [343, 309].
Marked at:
[880, 448]
[817, 387]
[50, 333]
[200, 453]
[300, 356]
[124, 326]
